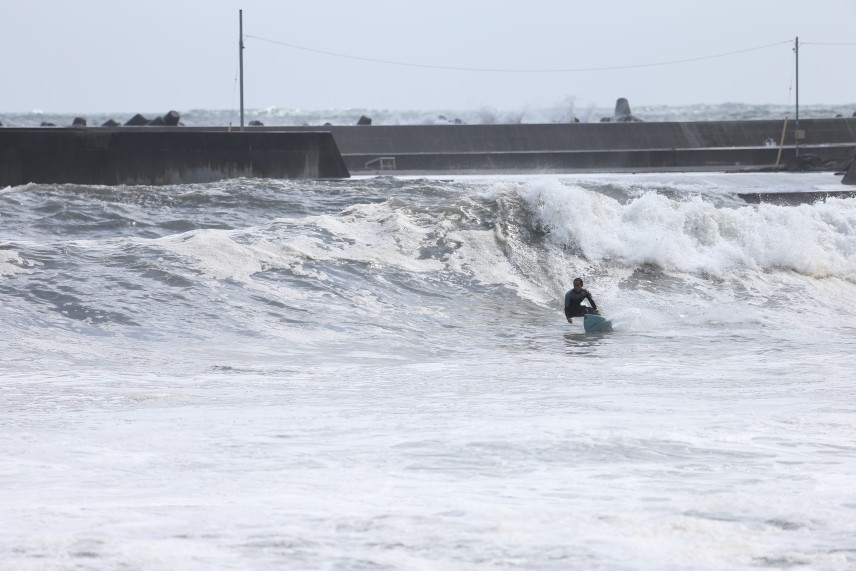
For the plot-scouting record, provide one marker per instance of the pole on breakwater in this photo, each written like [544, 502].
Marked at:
[241, 60]
[782, 141]
[797, 133]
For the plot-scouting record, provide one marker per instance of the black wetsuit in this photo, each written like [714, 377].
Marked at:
[573, 303]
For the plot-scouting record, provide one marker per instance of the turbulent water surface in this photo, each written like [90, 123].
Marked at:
[565, 112]
[376, 374]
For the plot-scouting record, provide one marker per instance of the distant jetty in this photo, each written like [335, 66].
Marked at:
[572, 147]
[157, 154]
[148, 151]
[622, 142]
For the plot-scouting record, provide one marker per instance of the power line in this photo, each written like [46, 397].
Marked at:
[827, 44]
[498, 70]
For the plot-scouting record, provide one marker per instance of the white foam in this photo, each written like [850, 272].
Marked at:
[12, 263]
[217, 254]
[689, 437]
[692, 235]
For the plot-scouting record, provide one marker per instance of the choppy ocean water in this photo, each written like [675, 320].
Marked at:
[375, 373]
[564, 112]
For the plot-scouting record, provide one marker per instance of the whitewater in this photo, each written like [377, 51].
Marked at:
[375, 373]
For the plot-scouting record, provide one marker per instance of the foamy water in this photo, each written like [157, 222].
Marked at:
[376, 373]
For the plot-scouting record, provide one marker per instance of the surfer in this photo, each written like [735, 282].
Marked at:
[574, 299]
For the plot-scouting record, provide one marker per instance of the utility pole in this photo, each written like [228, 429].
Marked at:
[241, 60]
[797, 133]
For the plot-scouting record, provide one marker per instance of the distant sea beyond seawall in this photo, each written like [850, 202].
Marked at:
[567, 113]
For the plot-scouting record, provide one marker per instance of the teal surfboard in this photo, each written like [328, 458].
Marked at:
[596, 323]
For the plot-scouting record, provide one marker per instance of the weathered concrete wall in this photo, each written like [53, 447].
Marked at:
[162, 155]
[714, 144]
[584, 136]
[850, 175]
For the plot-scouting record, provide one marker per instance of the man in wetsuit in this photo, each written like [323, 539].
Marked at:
[574, 299]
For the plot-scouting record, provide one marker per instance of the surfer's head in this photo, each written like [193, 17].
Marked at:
[578, 283]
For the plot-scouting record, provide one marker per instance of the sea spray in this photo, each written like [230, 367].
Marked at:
[689, 234]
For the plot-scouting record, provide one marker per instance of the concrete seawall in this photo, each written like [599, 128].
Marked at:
[586, 146]
[163, 155]
[172, 155]
[850, 175]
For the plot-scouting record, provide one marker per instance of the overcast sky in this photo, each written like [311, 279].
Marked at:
[119, 56]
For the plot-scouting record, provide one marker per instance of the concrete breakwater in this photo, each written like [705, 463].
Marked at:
[713, 145]
[163, 155]
[850, 175]
[169, 155]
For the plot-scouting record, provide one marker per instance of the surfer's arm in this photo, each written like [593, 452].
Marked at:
[593, 304]
[568, 314]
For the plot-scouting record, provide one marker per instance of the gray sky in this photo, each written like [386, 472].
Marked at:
[118, 56]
